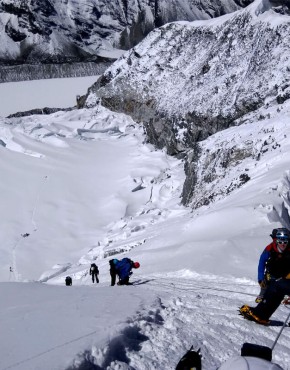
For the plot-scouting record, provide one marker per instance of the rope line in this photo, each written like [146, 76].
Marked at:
[202, 287]
[157, 283]
[48, 351]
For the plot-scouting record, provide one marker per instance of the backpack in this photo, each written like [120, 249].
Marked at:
[113, 262]
[124, 267]
[278, 265]
[68, 280]
[94, 268]
[126, 260]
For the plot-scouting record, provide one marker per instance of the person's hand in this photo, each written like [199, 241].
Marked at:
[263, 283]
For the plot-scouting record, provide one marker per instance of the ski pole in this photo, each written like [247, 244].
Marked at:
[278, 336]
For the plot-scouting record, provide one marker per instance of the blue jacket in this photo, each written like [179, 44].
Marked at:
[265, 256]
[124, 267]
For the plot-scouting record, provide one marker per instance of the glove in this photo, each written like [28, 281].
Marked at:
[287, 276]
[286, 300]
[263, 284]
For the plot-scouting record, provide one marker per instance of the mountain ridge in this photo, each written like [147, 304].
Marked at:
[53, 32]
[238, 66]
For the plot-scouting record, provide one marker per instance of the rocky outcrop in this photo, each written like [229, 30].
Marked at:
[229, 159]
[206, 168]
[40, 111]
[24, 72]
[188, 81]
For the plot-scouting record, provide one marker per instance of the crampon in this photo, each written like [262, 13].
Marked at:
[248, 314]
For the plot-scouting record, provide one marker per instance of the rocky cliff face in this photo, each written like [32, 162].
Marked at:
[187, 81]
[229, 159]
[59, 31]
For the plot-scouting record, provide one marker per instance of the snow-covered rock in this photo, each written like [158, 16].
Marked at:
[189, 80]
[68, 30]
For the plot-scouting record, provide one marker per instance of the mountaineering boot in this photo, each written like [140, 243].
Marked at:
[248, 314]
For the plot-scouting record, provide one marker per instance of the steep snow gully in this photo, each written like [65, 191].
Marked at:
[92, 189]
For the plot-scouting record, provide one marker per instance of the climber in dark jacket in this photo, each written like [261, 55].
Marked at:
[94, 272]
[113, 271]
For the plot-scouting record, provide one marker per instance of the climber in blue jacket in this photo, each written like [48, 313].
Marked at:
[123, 269]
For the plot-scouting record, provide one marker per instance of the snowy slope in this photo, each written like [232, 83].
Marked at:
[146, 326]
[85, 187]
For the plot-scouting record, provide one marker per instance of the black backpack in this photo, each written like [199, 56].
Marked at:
[68, 280]
[278, 265]
[94, 268]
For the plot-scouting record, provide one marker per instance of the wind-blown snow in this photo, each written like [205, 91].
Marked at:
[84, 186]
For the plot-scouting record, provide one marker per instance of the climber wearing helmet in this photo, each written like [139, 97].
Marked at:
[274, 276]
[266, 270]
